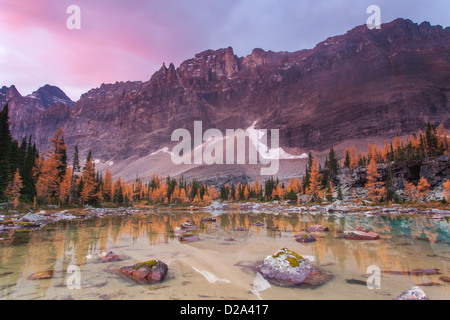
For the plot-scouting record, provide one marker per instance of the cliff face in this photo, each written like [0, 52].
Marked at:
[436, 172]
[366, 84]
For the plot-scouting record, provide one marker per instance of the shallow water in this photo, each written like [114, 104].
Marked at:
[214, 268]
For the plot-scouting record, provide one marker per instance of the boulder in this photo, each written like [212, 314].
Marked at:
[287, 268]
[188, 226]
[32, 217]
[415, 293]
[304, 238]
[188, 237]
[360, 235]
[110, 257]
[146, 272]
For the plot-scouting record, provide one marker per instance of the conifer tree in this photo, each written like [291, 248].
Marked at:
[59, 148]
[447, 191]
[376, 188]
[6, 142]
[47, 184]
[315, 189]
[76, 161]
[88, 191]
[424, 188]
[13, 190]
[65, 187]
[411, 192]
[107, 186]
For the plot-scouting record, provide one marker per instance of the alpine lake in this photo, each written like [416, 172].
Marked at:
[233, 240]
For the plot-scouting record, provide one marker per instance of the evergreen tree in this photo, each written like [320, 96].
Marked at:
[14, 188]
[76, 160]
[27, 172]
[6, 142]
[347, 159]
[59, 148]
[332, 164]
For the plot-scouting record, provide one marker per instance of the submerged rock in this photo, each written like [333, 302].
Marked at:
[48, 274]
[356, 281]
[146, 272]
[360, 235]
[304, 238]
[415, 272]
[287, 268]
[188, 237]
[415, 293]
[188, 226]
[110, 257]
[209, 219]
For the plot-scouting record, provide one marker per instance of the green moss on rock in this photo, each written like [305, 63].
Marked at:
[149, 264]
[287, 251]
[293, 261]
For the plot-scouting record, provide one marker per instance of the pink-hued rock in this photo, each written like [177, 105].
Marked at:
[188, 237]
[188, 226]
[146, 272]
[287, 268]
[360, 235]
[415, 293]
[304, 238]
[317, 228]
[110, 257]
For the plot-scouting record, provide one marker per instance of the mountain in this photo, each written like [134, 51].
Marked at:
[51, 95]
[363, 86]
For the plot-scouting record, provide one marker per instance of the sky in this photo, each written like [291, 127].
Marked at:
[122, 40]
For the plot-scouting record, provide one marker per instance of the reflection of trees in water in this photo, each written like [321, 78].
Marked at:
[63, 243]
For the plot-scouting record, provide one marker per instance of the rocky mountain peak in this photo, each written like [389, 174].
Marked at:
[51, 95]
[360, 86]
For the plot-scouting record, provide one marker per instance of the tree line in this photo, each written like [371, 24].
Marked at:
[27, 176]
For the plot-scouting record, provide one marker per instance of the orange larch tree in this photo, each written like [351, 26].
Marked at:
[376, 188]
[446, 191]
[424, 188]
[89, 184]
[47, 182]
[411, 192]
[13, 189]
[314, 189]
[65, 187]
[108, 186]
